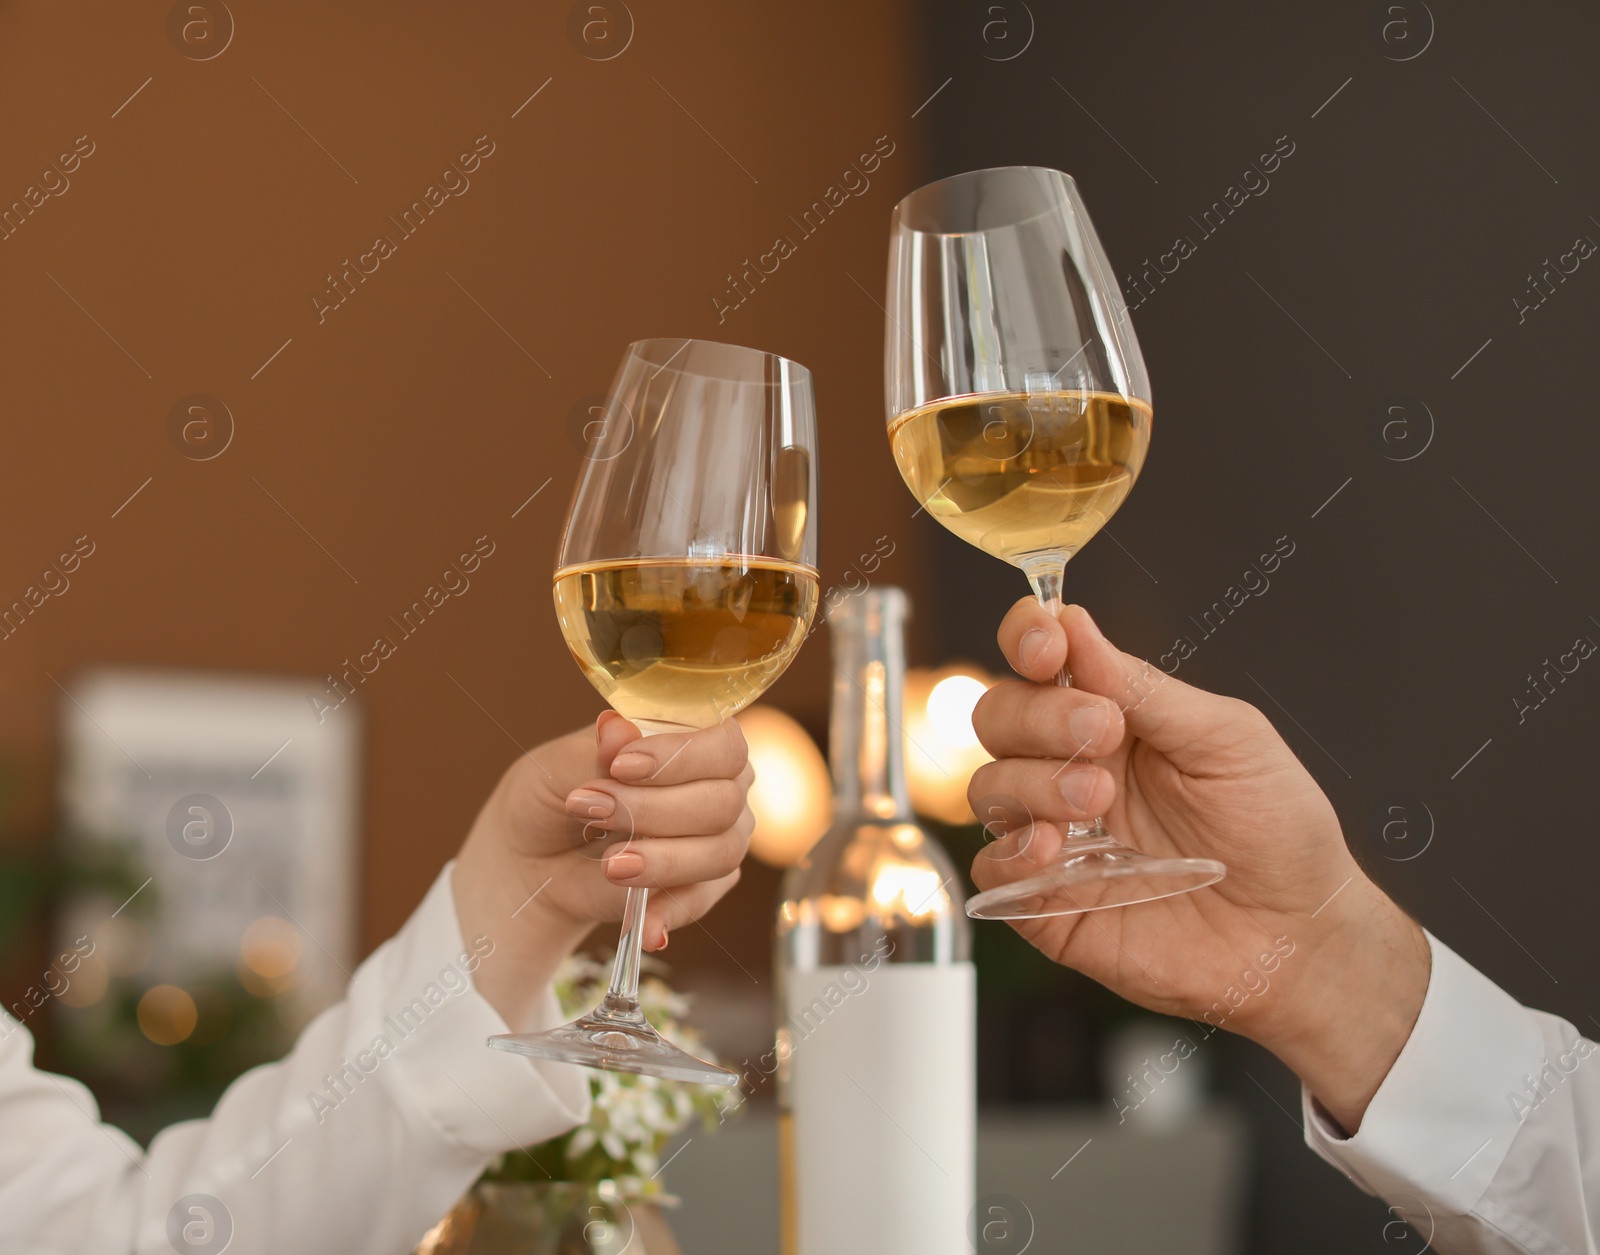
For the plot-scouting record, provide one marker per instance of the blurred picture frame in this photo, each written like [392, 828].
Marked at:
[238, 812]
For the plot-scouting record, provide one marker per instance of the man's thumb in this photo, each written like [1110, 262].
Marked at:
[1162, 711]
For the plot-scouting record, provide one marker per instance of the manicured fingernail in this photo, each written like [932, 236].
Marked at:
[1093, 626]
[1031, 646]
[664, 939]
[1088, 722]
[632, 766]
[1077, 787]
[590, 804]
[624, 866]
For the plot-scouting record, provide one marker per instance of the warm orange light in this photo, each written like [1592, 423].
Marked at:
[88, 984]
[950, 704]
[841, 914]
[942, 750]
[167, 1014]
[792, 796]
[269, 953]
[907, 890]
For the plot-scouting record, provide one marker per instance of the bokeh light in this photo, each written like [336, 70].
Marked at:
[942, 750]
[792, 797]
[950, 706]
[269, 956]
[167, 1014]
[88, 984]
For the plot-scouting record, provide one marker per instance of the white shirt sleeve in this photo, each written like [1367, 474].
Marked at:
[1483, 1135]
[356, 1143]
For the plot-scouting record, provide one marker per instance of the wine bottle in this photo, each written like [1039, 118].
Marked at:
[876, 1041]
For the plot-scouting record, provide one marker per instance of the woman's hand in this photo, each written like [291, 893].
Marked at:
[576, 823]
[1177, 771]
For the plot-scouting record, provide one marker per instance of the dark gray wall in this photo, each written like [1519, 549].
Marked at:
[1443, 551]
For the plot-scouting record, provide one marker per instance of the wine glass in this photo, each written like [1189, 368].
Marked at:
[685, 583]
[1019, 415]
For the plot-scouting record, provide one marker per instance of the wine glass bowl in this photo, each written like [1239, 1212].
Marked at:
[685, 583]
[1027, 477]
[1020, 415]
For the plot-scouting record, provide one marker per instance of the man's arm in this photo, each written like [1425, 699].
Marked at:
[1480, 1134]
[1404, 1050]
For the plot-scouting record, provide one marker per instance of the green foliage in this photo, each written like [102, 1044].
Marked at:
[632, 1118]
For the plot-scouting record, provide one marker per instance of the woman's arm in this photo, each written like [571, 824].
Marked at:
[390, 1103]
[387, 1108]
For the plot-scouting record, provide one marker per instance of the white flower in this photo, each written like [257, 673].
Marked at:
[633, 1117]
[653, 1113]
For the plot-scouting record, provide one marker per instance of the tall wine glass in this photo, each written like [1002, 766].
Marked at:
[685, 582]
[1019, 414]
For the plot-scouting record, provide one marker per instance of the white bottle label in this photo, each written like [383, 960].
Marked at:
[883, 1088]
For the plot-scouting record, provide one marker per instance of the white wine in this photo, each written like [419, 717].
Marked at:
[1019, 474]
[684, 640]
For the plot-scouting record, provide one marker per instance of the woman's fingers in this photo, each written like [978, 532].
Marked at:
[671, 813]
[697, 808]
[673, 908]
[671, 757]
[667, 863]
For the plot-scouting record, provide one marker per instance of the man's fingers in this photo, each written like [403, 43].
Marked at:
[671, 757]
[673, 908]
[1016, 854]
[1033, 641]
[1015, 719]
[1036, 720]
[1016, 791]
[1175, 718]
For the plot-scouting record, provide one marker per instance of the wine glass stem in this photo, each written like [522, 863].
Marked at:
[1045, 574]
[624, 989]
[623, 995]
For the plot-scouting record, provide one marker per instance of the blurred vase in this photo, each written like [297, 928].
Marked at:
[549, 1218]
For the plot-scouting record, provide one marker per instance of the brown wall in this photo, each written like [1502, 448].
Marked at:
[407, 423]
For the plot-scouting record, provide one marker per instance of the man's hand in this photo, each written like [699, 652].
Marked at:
[1177, 771]
[576, 823]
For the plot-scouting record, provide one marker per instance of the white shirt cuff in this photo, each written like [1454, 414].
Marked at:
[428, 1009]
[1443, 1120]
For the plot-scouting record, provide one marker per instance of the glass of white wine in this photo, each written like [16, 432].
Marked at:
[1019, 415]
[685, 582]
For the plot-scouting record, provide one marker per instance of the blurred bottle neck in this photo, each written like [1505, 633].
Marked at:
[866, 733]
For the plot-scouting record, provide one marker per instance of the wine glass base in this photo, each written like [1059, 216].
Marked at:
[1097, 879]
[616, 1043]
